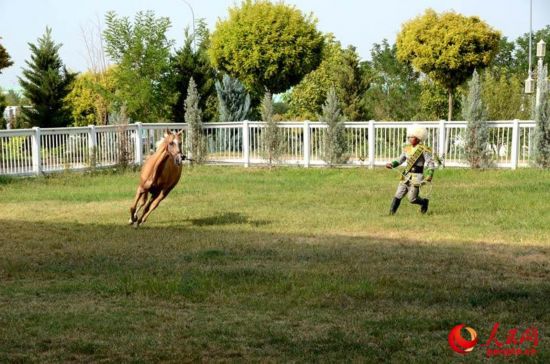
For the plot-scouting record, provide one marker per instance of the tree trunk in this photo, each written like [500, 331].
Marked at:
[450, 114]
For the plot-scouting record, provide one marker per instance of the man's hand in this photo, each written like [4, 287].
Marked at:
[389, 166]
[429, 179]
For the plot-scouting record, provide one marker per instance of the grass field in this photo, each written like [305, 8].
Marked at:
[271, 265]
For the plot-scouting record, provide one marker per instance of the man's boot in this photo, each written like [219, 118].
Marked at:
[424, 207]
[423, 202]
[394, 205]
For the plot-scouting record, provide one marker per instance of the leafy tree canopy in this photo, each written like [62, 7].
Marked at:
[88, 99]
[339, 69]
[521, 50]
[141, 52]
[267, 46]
[394, 87]
[447, 47]
[190, 62]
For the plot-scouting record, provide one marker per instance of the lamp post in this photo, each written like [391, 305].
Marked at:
[193, 15]
[529, 82]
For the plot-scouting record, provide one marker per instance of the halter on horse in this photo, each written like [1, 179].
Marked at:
[159, 175]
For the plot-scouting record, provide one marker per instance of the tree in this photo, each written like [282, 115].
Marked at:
[522, 49]
[5, 60]
[45, 83]
[502, 93]
[447, 47]
[542, 118]
[271, 134]
[477, 131]
[3, 104]
[505, 59]
[334, 142]
[141, 52]
[189, 62]
[196, 140]
[394, 87]
[266, 46]
[234, 101]
[340, 69]
[88, 99]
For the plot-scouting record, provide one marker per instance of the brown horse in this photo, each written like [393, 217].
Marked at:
[159, 175]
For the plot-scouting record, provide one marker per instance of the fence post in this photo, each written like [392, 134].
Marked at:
[307, 144]
[441, 141]
[36, 150]
[246, 144]
[92, 145]
[138, 146]
[515, 144]
[371, 140]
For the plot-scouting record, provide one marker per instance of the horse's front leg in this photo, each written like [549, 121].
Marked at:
[141, 196]
[151, 206]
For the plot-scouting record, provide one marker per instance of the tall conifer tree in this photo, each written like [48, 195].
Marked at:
[45, 83]
[193, 115]
[477, 131]
[335, 143]
[542, 128]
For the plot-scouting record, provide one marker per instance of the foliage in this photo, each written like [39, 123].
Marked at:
[14, 148]
[5, 59]
[502, 94]
[124, 148]
[234, 101]
[522, 50]
[88, 99]
[45, 84]
[141, 52]
[477, 132]
[16, 98]
[193, 116]
[505, 58]
[433, 102]
[334, 141]
[193, 62]
[542, 118]
[340, 69]
[447, 47]
[267, 46]
[394, 87]
[3, 104]
[272, 136]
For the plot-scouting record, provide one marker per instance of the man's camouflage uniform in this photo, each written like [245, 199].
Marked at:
[417, 157]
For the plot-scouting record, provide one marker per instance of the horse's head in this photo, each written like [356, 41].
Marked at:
[171, 144]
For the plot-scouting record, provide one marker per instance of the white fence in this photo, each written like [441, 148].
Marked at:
[36, 151]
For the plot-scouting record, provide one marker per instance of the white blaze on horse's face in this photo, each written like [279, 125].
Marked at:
[172, 141]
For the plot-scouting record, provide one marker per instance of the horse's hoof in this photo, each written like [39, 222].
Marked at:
[130, 222]
[136, 225]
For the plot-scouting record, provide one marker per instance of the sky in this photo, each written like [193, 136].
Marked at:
[360, 23]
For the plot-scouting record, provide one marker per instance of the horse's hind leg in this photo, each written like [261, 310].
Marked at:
[141, 195]
[151, 206]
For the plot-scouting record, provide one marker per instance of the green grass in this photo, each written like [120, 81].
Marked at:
[258, 265]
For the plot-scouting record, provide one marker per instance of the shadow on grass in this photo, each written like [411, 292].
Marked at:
[186, 293]
[227, 218]
[6, 180]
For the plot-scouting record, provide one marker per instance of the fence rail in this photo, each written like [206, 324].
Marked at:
[372, 143]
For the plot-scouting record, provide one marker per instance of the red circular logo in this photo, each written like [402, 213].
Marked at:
[458, 343]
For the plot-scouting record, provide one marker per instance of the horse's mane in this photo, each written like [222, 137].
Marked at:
[159, 144]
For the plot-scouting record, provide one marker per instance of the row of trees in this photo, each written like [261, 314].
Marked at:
[263, 46]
